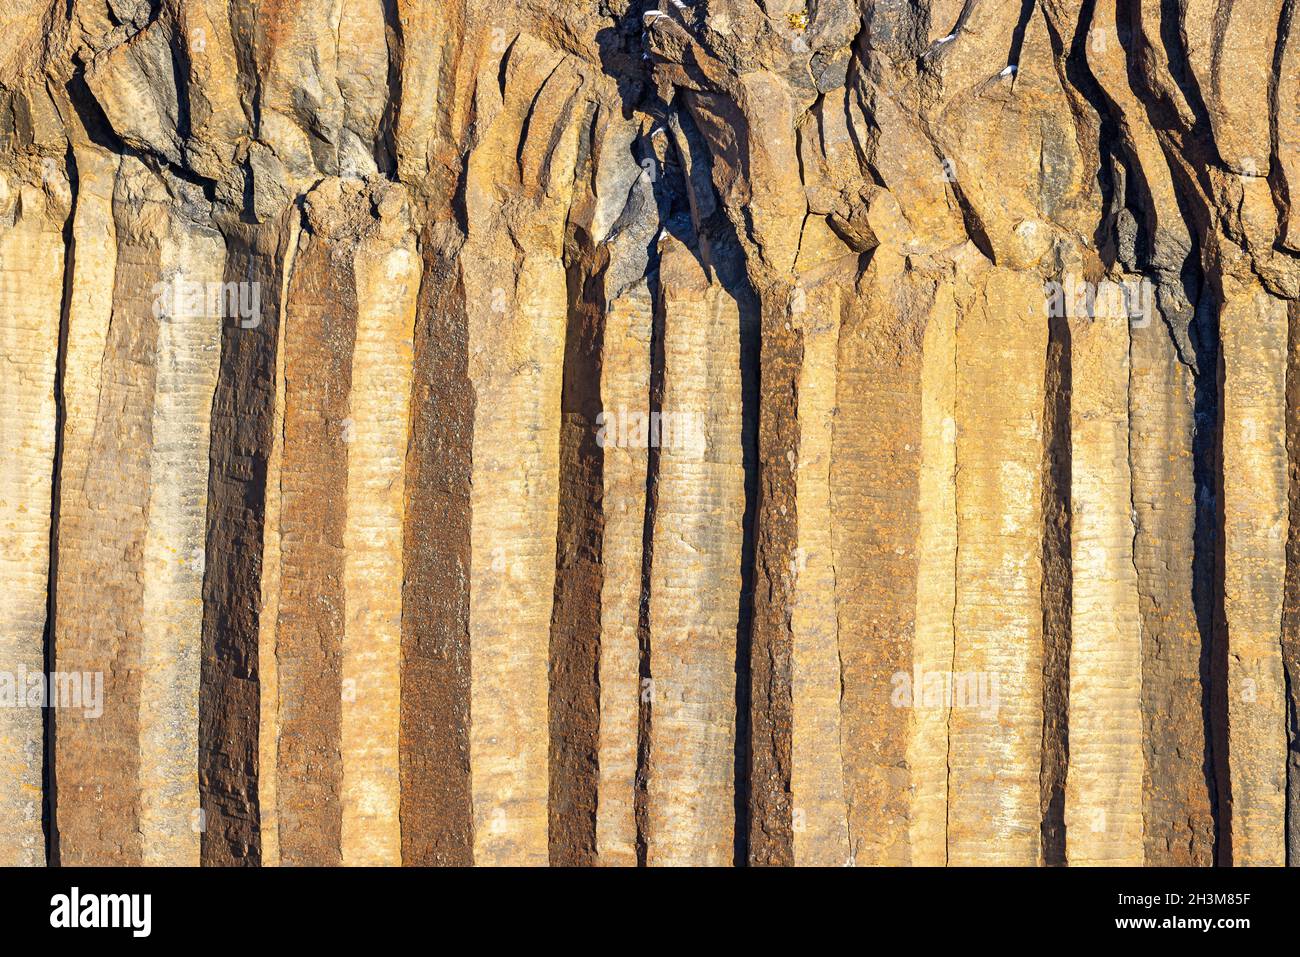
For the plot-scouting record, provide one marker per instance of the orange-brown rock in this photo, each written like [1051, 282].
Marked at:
[649, 433]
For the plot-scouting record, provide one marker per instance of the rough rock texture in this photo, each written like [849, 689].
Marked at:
[649, 432]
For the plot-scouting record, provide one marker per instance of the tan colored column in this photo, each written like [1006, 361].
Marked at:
[515, 504]
[625, 386]
[1178, 826]
[996, 721]
[188, 356]
[31, 293]
[1103, 799]
[1253, 327]
[388, 280]
[516, 294]
[935, 585]
[268, 669]
[819, 825]
[695, 579]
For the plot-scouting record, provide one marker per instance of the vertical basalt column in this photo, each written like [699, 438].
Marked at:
[319, 336]
[574, 702]
[387, 272]
[238, 674]
[268, 665]
[188, 358]
[31, 293]
[935, 583]
[874, 495]
[1176, 793]
[514, 502]
[1253, 330]
[820, 823]
[1103, 799]
[624, 389]
[435, 685]
[996, 718]
[516, 295]
[695, 579]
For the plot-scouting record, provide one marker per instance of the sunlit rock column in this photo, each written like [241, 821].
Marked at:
[517, 302]
[820, 820]
[31, 294]
[935, 586]
[625, 389]
[328, 775]
[387, 271]
[995, 727]
[132, 521]
[1253, 326]
[1176, 795]
[188, 356]
[1103, 800]
[695, 577]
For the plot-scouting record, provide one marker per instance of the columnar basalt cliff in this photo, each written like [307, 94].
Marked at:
[649, 432]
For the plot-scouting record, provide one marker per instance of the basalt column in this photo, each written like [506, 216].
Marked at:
[133, 488]
[31, 291]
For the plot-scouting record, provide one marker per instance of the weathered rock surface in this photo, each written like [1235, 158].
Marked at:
[649, 432]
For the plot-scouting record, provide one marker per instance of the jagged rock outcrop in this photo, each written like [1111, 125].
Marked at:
[633, 432]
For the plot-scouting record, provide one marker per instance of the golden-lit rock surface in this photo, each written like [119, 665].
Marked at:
[649, 432]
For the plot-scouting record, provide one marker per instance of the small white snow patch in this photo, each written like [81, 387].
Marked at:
[1009, 71]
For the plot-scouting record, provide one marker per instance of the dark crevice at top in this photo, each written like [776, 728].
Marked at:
[49, 777]
[1018, 35]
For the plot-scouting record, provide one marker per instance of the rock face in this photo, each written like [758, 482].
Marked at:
[628, 432]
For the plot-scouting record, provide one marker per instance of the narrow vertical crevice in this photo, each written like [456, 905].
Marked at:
[1208, 565]
[1291, 594]
[49, 782]
[1056, 592]
[645, 712]
[1018, 35]
[749, 393]
[1277, 180]
[386, 147]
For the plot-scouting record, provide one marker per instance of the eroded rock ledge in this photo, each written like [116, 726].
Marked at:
[714, 432]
